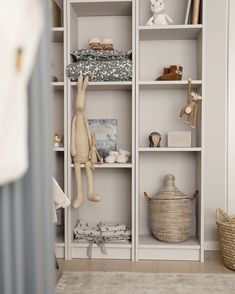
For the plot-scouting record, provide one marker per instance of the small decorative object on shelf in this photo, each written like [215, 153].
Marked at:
[54, 79]
[120, 157]
[111, 158]
[170, 213]
[226, 236]
[191, 109]
[123, 156]
[107, 44]
[155, 139]
[172, 73]
[95, 44]
[159, 18]
[179, 139]
[56, 14]
[58, 140]
[82, 147]
[94, 155]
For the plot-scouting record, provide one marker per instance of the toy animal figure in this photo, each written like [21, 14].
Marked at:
[191, 109]
[155, 139]
[159, 18]
[58, 139]
[83, 145]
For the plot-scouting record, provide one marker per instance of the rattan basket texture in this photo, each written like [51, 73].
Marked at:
[170, 213]
[226, 237]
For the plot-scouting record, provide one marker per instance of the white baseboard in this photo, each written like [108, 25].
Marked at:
[211, 245]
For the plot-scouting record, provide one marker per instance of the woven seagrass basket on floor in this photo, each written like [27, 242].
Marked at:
[170, 213]
[226, 237]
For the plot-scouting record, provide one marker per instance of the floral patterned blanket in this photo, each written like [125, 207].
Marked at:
[100, 65]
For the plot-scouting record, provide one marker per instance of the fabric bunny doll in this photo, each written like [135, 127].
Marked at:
[83, 146]
[159, 18]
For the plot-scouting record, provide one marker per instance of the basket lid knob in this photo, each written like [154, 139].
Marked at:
[170, 191]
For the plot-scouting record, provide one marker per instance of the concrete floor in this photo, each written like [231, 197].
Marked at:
[213, 264]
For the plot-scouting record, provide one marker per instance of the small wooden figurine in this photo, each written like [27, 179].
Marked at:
[155, 139]
[58, 139]
[191, 109]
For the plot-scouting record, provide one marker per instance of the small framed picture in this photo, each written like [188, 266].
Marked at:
[106, 135]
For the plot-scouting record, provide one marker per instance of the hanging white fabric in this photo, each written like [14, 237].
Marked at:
[60, 199]
[20, 29]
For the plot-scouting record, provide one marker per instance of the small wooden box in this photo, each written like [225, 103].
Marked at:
[179, 139]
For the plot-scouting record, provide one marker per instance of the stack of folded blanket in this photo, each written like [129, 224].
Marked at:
[108, 232]
[100, 234]
[100, 65]
[114, 232]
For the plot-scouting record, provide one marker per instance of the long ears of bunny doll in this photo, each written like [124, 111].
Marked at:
[80, 83]
[85, 83]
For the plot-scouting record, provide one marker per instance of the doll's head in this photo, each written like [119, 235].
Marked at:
[157, 6]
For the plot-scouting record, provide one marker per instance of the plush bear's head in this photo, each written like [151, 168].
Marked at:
[157, 6]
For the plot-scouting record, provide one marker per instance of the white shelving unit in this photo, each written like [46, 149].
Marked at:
[105, 100]
[140, 106]
[60, 124]
[158, 105]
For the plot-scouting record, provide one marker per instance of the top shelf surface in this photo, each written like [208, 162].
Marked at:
[171, 32]
[102, 8]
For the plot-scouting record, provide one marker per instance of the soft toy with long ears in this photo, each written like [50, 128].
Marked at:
[191, 109]
[82, 145]
[159, 18]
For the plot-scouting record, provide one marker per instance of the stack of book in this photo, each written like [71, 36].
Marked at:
[193, 12]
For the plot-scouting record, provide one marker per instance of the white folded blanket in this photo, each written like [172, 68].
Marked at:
[107, 231]
[109, 227]
[116, 234]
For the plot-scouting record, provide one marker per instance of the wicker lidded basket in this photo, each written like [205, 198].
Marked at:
[226, 236]
[170, 213]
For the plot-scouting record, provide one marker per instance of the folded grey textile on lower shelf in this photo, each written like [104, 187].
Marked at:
[100, 234]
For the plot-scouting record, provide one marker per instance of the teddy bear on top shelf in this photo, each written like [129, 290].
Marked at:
[159, 18]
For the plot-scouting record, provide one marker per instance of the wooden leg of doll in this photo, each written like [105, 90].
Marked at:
[188, 119]
[92, 196]
[181, 113]
[78, 200]
[194, 121]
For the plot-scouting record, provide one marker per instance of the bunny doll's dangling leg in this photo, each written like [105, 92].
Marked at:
[78, 200]
[92, 196]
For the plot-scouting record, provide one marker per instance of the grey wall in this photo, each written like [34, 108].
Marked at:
[216, 112]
